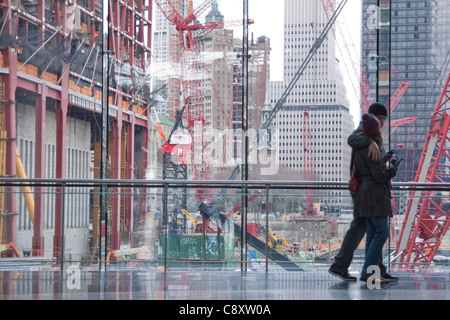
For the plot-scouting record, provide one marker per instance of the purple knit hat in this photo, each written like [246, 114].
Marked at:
[370, 124]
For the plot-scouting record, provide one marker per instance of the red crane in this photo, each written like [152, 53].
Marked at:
[189, 35]
[427, 218]
[352, 58]
[367, 97]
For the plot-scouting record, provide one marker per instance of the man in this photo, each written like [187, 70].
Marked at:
[357, 227]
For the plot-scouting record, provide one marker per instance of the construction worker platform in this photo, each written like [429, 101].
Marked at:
[184, 286]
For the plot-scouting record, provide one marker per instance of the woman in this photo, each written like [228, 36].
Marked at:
[373, 198]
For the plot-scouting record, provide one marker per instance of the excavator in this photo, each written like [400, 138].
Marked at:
[8, 246]
[276, 243]
[198, 225]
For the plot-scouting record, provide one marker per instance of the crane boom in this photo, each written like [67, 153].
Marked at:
[426, 221]
[303, 66]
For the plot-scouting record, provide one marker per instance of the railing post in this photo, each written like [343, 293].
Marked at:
[267, 228]
[165, 211]
[63, 201]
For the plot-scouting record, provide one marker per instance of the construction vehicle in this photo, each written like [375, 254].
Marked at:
[198, 225]
[130, 256]
[9, 246]
[276, 243]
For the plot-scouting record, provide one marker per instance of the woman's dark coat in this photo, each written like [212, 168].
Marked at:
[373, 198]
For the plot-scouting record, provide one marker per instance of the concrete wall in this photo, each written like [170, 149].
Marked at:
[77, 166]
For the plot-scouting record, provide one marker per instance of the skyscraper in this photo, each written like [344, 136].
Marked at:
[166, 59]
[320, 91]
[418, 46]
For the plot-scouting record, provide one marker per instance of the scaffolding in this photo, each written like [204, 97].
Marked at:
[51, 54]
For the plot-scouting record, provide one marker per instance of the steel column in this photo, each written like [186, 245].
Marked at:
[145, 146]
[10, 61]
[129, 202]
[116, 166]
[10, 56]
[60, 172]
[39, 172]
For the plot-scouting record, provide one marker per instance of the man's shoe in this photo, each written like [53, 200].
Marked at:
[344, 275]
[389, 278]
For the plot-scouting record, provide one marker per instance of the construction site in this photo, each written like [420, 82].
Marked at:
[105, 165]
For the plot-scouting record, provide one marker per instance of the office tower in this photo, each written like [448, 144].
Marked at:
[166, 59]
[419, 51]
[320, 91]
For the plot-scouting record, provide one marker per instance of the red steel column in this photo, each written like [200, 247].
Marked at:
[10, 61]
[61, 140]
[145, 146]
[10, 57]
[39, 169]
[115, 223]
[60, 172]
[129, 202]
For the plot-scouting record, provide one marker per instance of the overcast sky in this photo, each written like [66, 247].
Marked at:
[269, 22]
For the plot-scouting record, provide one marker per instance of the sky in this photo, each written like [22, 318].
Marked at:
[269, 22]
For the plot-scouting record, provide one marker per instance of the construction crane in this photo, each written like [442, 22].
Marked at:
[367, 97]
[352, 62]
[312, 51]
[190, 33]
[427, 218]
[210, 210]
[190, 83]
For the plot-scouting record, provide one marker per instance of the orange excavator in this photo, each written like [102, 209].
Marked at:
[8, 246]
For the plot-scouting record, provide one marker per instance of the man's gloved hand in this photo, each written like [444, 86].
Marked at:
[388, 156]
[396, 163]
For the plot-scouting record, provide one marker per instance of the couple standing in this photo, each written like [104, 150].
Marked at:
[372, 201]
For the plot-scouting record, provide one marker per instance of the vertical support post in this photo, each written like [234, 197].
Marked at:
[63, 197]
[165, 212]
[116, 166]
[10, 62]
[145, 147]
[267, 228]
[60, 172]
[104, 130]
[61, 143]
[384, 64]
[244, 137]
[129, 201]
[10, 124]
[39, 172]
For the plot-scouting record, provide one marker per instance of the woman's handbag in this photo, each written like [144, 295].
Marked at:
[354, 182]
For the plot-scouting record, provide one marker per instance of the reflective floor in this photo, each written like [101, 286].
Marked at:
[212, 285]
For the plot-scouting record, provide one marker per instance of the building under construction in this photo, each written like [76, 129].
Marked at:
[52, 62]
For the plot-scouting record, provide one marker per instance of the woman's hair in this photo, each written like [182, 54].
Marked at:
[378, 138]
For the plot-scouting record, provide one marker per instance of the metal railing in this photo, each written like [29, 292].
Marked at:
[268, 189]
